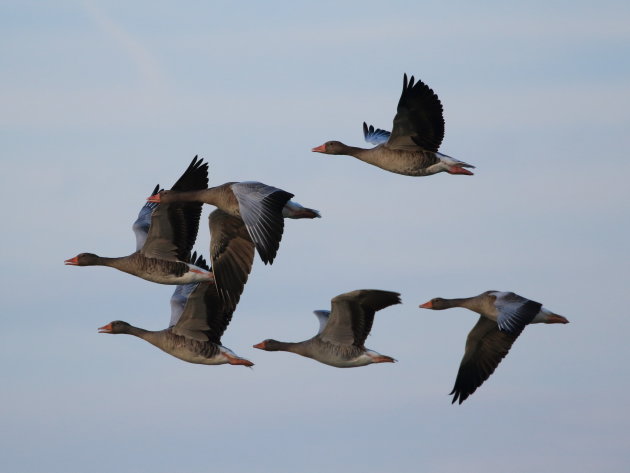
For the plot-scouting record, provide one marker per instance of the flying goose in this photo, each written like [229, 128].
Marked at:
[165, 235]
[503, 316]
[411, 148]
[261, 207]
[198, 320]
[342, 331]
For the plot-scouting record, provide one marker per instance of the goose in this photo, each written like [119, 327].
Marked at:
[342, 331]
[165, 235]
[503, 316]
[411, 148]
[198, 320]
[261, 207]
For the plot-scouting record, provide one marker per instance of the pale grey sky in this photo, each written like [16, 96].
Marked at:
[102, 100]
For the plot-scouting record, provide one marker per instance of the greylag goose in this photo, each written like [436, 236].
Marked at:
[412, 146]
[342, 331]
[503, 316]
[165, 235]
[198, 320]
[262, 208]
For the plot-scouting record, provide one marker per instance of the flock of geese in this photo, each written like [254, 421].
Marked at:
[249, 218]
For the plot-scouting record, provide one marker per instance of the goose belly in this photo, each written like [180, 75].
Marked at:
[361, 360]
[408, 163]
[199, 359]
[194, 351]
[186, 278]
[340, 356]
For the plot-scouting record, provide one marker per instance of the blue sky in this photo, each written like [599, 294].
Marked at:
[102, 100]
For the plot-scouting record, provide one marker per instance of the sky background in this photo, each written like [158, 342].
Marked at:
[102, 100]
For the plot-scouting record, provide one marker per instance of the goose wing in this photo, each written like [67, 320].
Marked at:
[232, 255]
[375, 136]
[486, 346]
[198, 311]
[515, 311]
[174, 226]
[261, 207]
[352, 315]
[143, 222]
[322, 317]
[419, 119]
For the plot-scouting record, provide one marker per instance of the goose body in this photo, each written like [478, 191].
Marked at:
[186, 349]
[411, 148]
[156, 270]
[165, 235]
[343, 330]
[198, 320]
[262, 208]
[503, 316]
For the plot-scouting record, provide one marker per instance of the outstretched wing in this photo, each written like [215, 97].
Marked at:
[419, 120]
[352, 315]
[174, 226]
[486, 346]
[204, 316]
[232, 255]
[515, 311]
[261, 207]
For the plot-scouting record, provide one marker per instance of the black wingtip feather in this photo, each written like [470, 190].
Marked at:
[198, 260]
[269, 243]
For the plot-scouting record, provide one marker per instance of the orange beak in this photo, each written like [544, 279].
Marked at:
[320, 149]
[154, 198]
[105, 328]
[72, 261]
[426, 305]
[260, 346]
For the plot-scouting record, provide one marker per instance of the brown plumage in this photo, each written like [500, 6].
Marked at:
[261, 207]
[231, 253]
[412, 146]
[165, 235]
[199, 318]
[503, 316]
[343, 330]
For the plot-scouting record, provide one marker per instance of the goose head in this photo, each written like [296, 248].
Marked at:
[83, 259]
[117, 326]
[270, 345]
[331, 147]
[436, 303]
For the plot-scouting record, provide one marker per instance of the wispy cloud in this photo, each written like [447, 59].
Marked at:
[148, 68]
